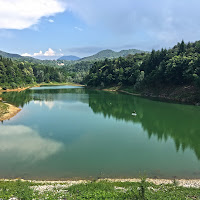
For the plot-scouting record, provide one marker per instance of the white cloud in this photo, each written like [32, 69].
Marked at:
[77, 28]
[50, 52]
[26, 54]
[38, 54]
[51, 20]
[21, 14]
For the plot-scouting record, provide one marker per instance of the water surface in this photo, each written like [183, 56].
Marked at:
[72, 132]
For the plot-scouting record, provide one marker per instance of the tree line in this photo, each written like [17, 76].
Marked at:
[17, 74]
[179, 65]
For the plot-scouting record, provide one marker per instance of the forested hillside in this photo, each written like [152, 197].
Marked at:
[9, 55]
[176, 67]
[80, 68]
[17, 57]
[16, 74]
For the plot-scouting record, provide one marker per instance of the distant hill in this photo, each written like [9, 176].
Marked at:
[111, 54]
[27, 58]
[9, 55]
[18, 57]
[69, 58]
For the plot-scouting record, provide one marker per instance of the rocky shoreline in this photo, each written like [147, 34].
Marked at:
[194, 183]
[187, 183]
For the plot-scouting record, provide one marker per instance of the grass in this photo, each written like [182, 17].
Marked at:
[17, 189]
[3, 109]
[97, 190]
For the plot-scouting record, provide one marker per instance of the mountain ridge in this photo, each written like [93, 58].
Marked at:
[70, 58]
[108, 53]
[9, 55]
[101, 55]
[19, 57]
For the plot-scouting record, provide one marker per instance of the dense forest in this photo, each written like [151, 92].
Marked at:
[78, 70]
[178, 66]
[73, 70]
[17, 74]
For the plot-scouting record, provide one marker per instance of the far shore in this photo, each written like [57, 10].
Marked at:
[13, 110]
[16, 89]
[180, 94]
[193, 183]
[38, 85]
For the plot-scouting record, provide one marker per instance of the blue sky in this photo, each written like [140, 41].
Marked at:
[54, 28]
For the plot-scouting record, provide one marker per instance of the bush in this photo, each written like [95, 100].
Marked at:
[13, 85]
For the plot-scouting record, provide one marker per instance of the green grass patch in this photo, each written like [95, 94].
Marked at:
[96, 190]
[17, 189]
[134, 191]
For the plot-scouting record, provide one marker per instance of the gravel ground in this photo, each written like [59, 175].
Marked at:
[195, 183]
[52, 185]
[57, 186]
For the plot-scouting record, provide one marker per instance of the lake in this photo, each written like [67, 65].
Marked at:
[71, 132]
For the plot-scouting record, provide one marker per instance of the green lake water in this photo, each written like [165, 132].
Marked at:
[71, 132]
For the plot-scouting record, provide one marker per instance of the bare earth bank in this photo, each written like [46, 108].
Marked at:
[11, 112]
